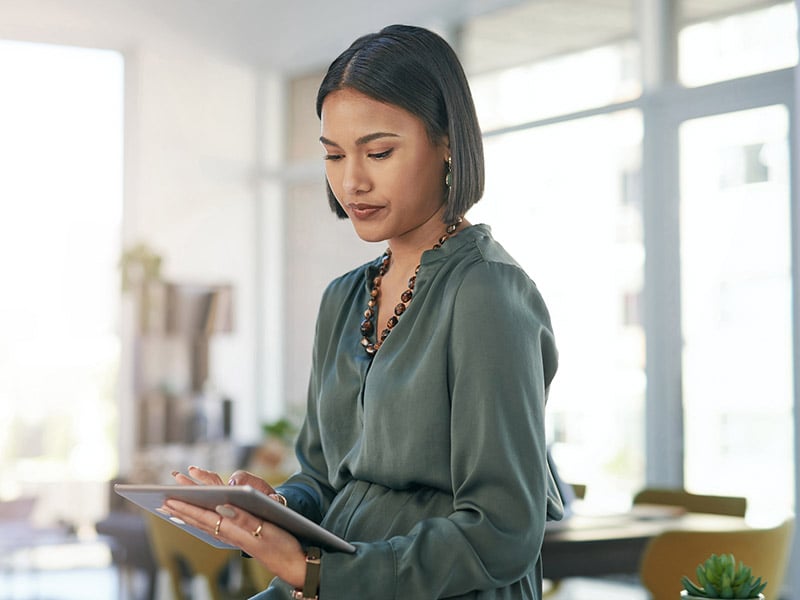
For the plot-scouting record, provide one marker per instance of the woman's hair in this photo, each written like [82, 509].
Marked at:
[416, 70]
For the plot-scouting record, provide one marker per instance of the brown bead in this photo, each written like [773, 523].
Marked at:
[366, 327]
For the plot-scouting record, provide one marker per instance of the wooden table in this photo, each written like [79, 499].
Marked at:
[597, 545]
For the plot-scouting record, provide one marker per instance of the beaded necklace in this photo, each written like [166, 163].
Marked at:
[367, 326]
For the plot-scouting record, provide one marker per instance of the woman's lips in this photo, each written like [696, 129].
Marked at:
[364, 211]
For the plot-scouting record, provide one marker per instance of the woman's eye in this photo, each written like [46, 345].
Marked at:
[381, 155]
[333, 157]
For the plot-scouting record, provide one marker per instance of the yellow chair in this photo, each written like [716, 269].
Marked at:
[673, 554]
[173, 547]
[258, 576]
[734, 506]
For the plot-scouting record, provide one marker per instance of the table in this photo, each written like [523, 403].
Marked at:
[598, 545]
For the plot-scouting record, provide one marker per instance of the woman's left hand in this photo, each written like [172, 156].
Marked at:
[278, 550]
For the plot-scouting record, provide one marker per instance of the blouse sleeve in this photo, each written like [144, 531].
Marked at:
[501, 360]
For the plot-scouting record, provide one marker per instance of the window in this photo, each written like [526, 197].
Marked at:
[738, 45]
[561, 199]
[60, 216]
[572, 172]
[736, 305]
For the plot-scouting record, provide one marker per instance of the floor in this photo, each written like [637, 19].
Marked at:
[76, 571]
[84, 572]
[597, 589]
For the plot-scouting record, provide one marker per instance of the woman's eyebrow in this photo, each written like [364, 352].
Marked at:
[364, 139]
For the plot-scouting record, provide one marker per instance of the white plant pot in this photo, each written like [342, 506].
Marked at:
[685, 596]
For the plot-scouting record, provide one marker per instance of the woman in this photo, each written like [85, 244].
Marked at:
[424, 442]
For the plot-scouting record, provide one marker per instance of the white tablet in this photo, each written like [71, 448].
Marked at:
[152, 497]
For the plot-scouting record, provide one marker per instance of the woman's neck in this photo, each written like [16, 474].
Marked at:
[407, 249]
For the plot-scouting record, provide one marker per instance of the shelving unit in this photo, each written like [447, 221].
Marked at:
[180, 419]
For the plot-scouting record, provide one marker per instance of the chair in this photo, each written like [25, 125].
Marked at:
[673, 554]
[258, 576]
[734, 506]
[178, 552]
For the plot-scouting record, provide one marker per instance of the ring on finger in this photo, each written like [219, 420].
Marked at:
[257, 532]
[216, 527]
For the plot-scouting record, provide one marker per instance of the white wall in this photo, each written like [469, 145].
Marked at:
[190, 192]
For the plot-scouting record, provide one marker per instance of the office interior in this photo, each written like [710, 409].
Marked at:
[165, 238]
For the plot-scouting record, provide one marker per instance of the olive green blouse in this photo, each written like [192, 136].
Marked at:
[430, 457]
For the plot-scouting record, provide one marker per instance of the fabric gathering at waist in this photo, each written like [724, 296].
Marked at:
[365, 511]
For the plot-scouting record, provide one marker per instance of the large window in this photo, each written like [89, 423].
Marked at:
[60, 217]
[582, 159]
[565, 201]
[736, 289]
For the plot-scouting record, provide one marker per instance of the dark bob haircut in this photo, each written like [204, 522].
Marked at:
[416, 70]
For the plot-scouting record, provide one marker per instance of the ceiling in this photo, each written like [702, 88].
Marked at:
[301, 35]
[293, 35]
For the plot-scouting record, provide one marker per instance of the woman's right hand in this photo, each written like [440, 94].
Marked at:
[240, 477]
[246, 478]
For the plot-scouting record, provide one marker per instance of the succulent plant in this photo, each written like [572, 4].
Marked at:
[720, 577]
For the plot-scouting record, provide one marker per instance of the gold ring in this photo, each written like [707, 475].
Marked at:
[257, 532]
[216, 527]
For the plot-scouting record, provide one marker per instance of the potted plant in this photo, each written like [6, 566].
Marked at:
[720, 577]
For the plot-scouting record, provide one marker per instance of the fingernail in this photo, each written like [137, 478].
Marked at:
[231, 481]
[193, 467]
[175, 473]
[225, 511]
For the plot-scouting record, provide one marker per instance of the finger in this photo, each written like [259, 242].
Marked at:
[184, 479]
[195, 516]
[246, 478]
[243, 529]
[204, 476]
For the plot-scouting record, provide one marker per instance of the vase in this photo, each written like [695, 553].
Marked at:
[686, 596]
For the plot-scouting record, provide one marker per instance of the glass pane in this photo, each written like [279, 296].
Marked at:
[736, 306]
[562, 85]
[738, 45]
[580, 240]
[537, 59]
[61, 114]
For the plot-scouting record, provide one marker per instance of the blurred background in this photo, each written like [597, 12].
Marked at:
[165, 237]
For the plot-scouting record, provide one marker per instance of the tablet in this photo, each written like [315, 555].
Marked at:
[152, 497]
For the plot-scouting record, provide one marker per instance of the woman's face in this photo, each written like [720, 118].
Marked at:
[384, 170]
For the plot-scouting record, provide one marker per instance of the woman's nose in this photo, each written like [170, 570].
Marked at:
[355, 178]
